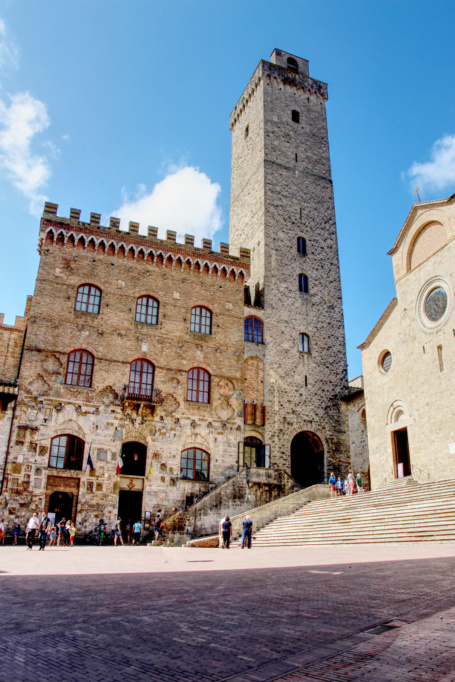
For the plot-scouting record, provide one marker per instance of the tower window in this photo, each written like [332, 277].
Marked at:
[80, 369]
[293, 65]
[253, 330]
[66, 453]
[141, 379]
[201, 320]
[301, 246]
[198, 387]
[304, 343]
[295, 116]
[247, 131]
[88, 299]
[303, 284]
[147, 310]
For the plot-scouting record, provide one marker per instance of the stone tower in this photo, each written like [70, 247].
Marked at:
[282, 208]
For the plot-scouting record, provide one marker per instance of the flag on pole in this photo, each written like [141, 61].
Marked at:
[89, 459]
[150, 468]
[119, 462]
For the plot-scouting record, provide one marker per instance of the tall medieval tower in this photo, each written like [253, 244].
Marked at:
[282, 209]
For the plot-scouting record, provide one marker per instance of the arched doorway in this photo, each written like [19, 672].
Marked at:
[134, 457]
[307, 459]
[61, 504]
[253, 449]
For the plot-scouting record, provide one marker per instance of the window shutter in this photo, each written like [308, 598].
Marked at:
[267, 456]
[240, 454]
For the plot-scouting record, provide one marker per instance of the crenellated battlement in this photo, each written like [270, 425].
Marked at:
[280, 74]
[20, 322]
[110, 240]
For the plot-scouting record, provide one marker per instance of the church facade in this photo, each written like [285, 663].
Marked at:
[409, 356]
[146, 371]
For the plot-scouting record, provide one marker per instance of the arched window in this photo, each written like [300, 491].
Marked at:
[201, 320]
[303, 283]
[293, 65]
[304, 343]
[67, 452]
[147, 310]
[253, 330]
[88, 299]
[80, 369]
[198, 389]
[195, 464]
[301, 246]
[295, 115]
[141, 379]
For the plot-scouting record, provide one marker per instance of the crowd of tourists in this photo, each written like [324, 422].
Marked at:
[349, 486]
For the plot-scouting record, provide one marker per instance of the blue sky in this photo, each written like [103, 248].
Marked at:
[122, 108]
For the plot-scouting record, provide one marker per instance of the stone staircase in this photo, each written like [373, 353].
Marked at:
[404, 511]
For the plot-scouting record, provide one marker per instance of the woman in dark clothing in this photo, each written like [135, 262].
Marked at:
[227, 531]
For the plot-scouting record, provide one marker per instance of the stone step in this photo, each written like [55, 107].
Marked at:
[405, 511]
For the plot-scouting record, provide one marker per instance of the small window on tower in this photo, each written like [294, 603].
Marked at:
[295, 116]
[301, 246]
[247, 131]
[293, 65]
[303, 284]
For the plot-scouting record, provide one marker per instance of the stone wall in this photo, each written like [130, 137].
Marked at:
[414, 392]
[250, 488]
[125, 265]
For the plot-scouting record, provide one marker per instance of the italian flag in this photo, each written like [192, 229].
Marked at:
[119, 462]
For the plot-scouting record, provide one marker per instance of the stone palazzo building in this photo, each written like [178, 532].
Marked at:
[409, 356]
[145, 372]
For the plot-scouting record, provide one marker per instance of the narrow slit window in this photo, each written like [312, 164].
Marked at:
[247, 131]
[304, 343]
[295, 116]
[303, 284]
[440, 359]
[301, 246]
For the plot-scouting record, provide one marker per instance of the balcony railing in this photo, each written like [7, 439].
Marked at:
[154, 397]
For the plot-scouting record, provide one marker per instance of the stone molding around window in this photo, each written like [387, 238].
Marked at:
[424, 321]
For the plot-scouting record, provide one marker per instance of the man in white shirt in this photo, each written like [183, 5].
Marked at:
[30, 531]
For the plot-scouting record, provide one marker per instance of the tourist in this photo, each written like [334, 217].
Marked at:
[157, 525]
[101, 532]
[247, 531]
[30, 530]
[16, 532]
[67, 533]
[61, 532]
[220, 533]
[340, 487]
[137, 532]
[118, 532]
[2, 532]
[53, 537]
[43, 530]
[358, 482]
[72, 534]
[227, 531]
[351, 483]
[128, 531]
[332, 482]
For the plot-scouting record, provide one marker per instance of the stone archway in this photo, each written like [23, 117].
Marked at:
[307, 459]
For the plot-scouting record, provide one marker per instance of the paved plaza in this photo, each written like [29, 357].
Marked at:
[383, 612]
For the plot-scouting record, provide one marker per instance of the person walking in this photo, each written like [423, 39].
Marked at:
[43, 530]
[128, 531]
[220, 533]
[30, 530]
[358, 482]
[2, 532]
[340, 487]
[351, 483]
[227, 531]
[118, 532]
[137, 532]
[72, 534]
[53, 538]
[247, 532]
[332, 483]
[157, 525]
[61, 532]
[16, 532]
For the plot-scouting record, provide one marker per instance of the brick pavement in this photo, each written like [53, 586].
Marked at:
[294, 623]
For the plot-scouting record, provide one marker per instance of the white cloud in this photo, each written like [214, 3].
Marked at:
[9, 54]
[185, 201]
[20, 122]
[439, 173]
